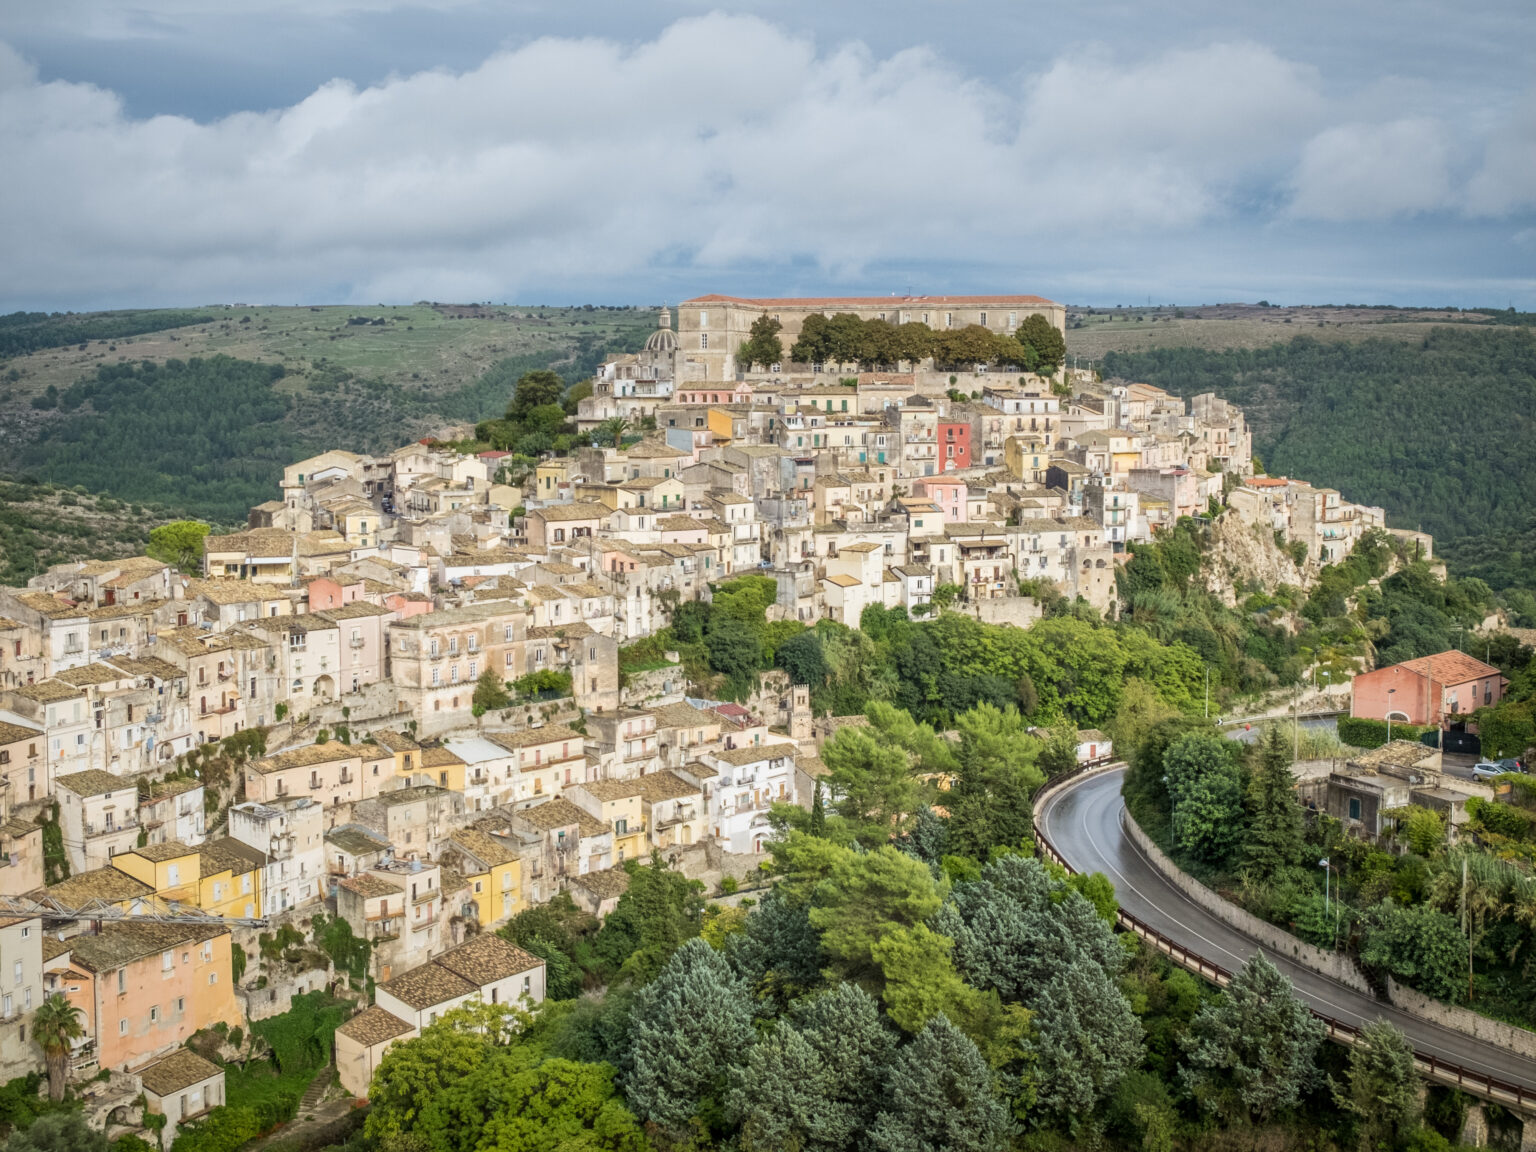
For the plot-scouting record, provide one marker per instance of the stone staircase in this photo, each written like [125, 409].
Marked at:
[316, 1090]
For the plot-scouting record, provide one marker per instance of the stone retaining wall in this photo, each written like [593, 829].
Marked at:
[1495, 1032]
[1331, 964]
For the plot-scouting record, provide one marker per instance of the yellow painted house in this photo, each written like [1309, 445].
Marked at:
[445, 768]
[231, 879]
[492, 871]
[172, 869]
[619, 804]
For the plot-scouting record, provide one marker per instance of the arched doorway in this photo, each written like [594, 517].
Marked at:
[325, 687]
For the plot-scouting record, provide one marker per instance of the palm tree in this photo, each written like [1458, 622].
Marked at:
[614, 427]
[57, 1023]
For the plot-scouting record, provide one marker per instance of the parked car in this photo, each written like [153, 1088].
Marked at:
[1510, 764]
[1488, 769]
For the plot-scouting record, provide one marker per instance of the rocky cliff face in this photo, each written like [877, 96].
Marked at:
[1241, 554]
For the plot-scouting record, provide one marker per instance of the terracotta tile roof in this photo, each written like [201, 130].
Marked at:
[10, 733]
[665, 786]
[607, 790]
[580, 511]
[489, 851]
[561, 813]
[683, 716]
[149, 666]
[94, 782]
[309, 754]
[368, 886]
[168, 788]
[356, 839]
[486, 959]
[48, 691]
[754, 753]
[394, 741]
[119, 944]
[1449, 667]
[427, 986]
[48, 605]
[227, 853]
[531, 737]
[374, 1026]
[159, 853]
[439, 758]
[177, 1072]
[97, 884]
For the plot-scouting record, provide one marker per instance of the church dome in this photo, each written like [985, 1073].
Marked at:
[663, 339]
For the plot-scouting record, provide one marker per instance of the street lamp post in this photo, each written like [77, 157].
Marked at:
[1390, 693]
[1207, 691]
[1327, 871]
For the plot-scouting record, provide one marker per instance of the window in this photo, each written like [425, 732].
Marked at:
[1354, 808]
[167, 961]
[154, 1013]
[122, 984]
[213, 977]
[181, 1004]
[122, 1027]
[703, 340]
[16, 968]
[703, 319]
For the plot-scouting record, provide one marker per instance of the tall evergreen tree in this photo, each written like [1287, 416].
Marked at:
[1086, 1039]
[1252, 1050]
[690, 1027]
[1274, 815]
[939, 1096]
[1383, 1086]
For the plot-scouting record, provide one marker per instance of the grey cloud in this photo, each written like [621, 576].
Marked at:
[724, 143]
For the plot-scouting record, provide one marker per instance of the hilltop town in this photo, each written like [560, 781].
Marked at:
[414, 696]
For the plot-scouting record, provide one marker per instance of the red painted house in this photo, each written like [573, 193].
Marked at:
[1427, 690]
[954, 442]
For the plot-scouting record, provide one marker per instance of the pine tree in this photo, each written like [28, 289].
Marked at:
[1087, 1039]
[939, 1095]
[1383, 1086]
[690, 1027]
[1252, 1050]
[1274, 816]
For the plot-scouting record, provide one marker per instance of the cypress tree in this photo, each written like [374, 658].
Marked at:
[1274, 816]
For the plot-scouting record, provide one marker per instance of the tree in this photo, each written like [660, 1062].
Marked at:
[1059, 756]
[778, 952]
[1383, 1086]
[615, 428]
[1019, 925]
[1048, 345]
[518, 1101]
[1086, 1039]
[877, 772]
[57, 1132]
[690, 1028]
[989, 799]
[762, 345]
[939, 1096]
[864, 898]
[658, 912]
[966, 347]
[412, 1075]
[56, 1025]
[490, 693]
[1274, 816]
[735, 650]
[179, 543]
[532, 390]
[1418, 945]
[1206, 789]
[1251, 1052]
[920, 981]
[780, 1098]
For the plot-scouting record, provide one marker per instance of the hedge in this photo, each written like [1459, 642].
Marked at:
[1361, 732]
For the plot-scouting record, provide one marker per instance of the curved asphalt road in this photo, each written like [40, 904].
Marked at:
[1083, 821]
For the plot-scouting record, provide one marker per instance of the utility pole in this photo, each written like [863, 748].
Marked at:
[1296, 722]
[1207, 691]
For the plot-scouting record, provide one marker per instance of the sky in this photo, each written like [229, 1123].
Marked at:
[170, 152]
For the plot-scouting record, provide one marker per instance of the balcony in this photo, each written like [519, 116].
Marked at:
[356, 642]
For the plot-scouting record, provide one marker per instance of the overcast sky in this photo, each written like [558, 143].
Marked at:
[613, 151]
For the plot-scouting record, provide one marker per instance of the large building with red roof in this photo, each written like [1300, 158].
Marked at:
[711, 328]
